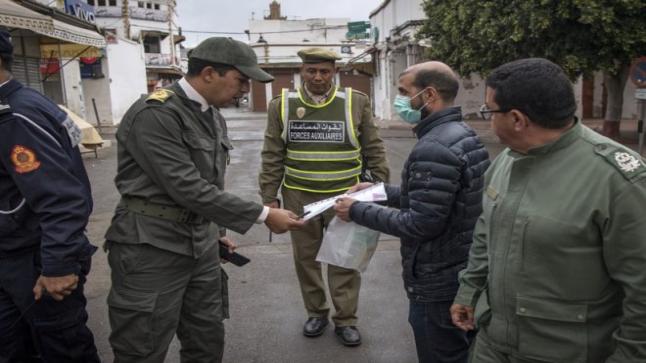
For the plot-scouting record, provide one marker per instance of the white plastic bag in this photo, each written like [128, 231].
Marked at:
[348, 245]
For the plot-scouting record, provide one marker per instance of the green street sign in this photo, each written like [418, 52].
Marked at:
[362, 35]
[358, 26]
[358, 30]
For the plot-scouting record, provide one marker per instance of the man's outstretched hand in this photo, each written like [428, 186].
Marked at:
[282, 220]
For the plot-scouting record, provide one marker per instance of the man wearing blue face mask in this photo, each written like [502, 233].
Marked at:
[434, 210]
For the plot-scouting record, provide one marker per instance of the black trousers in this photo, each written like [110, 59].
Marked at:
[49, 330]
[436, 338]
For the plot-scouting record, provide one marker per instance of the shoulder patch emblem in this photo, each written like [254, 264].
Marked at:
[160, 95]
[630, 164]
[626, 162]
[24, 159]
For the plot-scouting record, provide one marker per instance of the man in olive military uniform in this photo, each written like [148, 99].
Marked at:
[318, 141]
[172, 152]
[556, 269]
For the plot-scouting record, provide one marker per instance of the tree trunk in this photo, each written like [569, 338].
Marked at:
[615, 84]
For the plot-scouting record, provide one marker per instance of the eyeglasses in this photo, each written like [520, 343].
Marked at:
[485, 112]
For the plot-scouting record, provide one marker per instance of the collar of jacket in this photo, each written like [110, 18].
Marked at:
[8, 88]
[307, 95]
[179, 91]
[566, 138]
[450, 114]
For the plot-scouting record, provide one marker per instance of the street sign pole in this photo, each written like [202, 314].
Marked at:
[641, 106]
[638, 77]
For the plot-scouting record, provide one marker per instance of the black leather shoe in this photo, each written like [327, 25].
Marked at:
[348, 335]
[314, 327]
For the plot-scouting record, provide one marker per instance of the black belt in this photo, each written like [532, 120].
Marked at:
[167, 212]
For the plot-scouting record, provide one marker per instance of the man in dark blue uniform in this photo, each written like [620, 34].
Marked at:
[45, 202]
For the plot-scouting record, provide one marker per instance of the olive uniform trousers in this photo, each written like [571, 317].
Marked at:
[157, 293]
[343, 283]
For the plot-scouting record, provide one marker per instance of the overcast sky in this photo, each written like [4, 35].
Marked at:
[234, 15]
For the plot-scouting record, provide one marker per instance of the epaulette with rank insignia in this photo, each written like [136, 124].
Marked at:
[630, 165]
[356, 91]
[161, 95]
[5, 110]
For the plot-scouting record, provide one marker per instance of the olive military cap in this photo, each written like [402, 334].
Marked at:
[231, 52]
[318, 55]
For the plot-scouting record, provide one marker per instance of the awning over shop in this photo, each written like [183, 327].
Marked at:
[77, 35]
[13, 15]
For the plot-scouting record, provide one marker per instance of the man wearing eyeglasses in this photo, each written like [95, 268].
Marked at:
[556, 270]
[435, 208]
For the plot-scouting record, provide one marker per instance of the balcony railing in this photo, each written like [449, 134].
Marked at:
[159, 59]
[148, 14]
[135, 13]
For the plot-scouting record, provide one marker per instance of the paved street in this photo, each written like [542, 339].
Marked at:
[266, 308]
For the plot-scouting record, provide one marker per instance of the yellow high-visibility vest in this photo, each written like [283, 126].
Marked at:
[323, 152]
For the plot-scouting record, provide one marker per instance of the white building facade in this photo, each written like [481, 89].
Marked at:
[151, 23]
[142, 54]
[395, 24]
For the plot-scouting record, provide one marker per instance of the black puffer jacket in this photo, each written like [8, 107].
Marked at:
[438, 203]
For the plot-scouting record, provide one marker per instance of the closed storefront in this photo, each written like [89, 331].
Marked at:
[282, 79]
[356, 80]
[258, 97]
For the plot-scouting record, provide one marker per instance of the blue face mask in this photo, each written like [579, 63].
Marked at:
[406, 111]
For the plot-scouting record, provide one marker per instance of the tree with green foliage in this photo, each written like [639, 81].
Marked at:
[582, 36]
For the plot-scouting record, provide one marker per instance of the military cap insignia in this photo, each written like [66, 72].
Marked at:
[24, 159]
[300, 112]
[626, 162]
[160, 95]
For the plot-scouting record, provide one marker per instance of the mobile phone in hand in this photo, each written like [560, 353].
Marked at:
[233, 257]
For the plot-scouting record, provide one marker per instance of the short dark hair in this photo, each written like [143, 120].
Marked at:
[7, 61]
[445, 84]
[536, 87]
[196, 65]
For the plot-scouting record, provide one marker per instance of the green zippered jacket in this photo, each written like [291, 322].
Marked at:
[172, 154]
[557, 268]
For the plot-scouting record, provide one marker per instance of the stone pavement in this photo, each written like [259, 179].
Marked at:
[266, 307]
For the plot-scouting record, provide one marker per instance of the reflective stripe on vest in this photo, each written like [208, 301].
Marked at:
[323, 175]
[323, 155]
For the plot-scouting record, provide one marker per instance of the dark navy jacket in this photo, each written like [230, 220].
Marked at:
[438, 203]
[45, 197]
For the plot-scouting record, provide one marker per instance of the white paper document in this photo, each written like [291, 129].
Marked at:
[375, 193]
